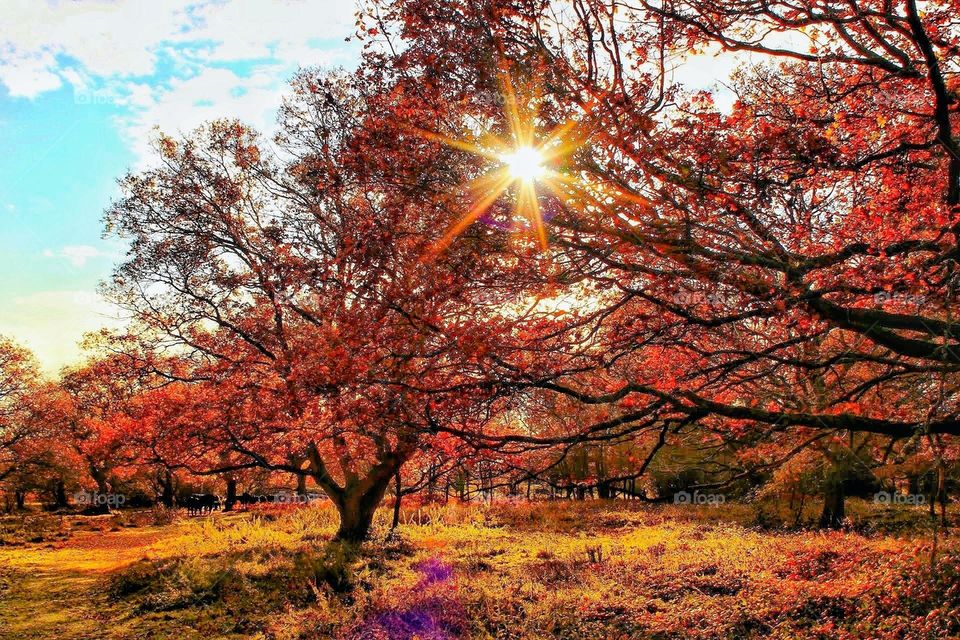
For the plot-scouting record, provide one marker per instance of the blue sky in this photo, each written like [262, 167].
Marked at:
[82, 87]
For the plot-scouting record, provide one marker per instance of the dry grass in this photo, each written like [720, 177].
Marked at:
[557, 570]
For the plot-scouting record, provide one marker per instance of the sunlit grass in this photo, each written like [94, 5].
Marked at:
[574, 570]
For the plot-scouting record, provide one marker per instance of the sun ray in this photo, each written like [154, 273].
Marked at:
[531, 210]
[501, 182]
[512, 111]
[561, 141]
[463, 145]
[614, 192]
[524, 162]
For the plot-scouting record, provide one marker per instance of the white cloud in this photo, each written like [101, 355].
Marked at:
[213, 93]
[43, 43]
[110, 52]
[105, 38]
[75, 254]
[284, 30]
[27, 75]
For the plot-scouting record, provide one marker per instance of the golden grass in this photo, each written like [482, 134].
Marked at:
[557, 570]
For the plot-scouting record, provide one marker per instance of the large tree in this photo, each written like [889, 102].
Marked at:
[313, 328]
[787, 264]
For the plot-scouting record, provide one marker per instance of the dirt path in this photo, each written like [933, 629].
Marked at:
[58, 592]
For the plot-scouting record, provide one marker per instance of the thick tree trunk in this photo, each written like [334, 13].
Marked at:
[101, 503]
[833, 505]
[358, 499]
[60, 495]
[166, 489]
[231, 494]
[301, 484]
[101, 478]
[603, 490]
[357, 510]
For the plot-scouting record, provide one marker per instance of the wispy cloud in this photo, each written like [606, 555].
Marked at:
[170, 65]
[75, 254]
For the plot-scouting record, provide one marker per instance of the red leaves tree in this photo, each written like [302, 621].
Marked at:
[21, 428]
[312, 329]
[787, 266]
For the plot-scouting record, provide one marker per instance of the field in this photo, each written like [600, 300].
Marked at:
[549, 570]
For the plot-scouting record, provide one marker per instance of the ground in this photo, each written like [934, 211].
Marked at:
[593, 569]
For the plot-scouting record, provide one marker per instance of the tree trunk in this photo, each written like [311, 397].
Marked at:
[60, 495]
[101, 478]
[21, 497]
[358, 499]
[357, 510]
[231, 494]
[301, 484]
[396, 503]
[166, 489]
[833, 505]
[941, 494]
[100, 503]
[431, 482]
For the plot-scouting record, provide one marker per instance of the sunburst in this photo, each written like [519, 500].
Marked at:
[524, 166]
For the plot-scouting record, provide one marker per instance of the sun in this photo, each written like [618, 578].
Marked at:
[525, 164]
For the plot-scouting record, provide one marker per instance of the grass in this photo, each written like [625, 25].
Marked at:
[542, 570]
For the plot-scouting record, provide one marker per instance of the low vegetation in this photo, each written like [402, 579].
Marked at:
[592, 569]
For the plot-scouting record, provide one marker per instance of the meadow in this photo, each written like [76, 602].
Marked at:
[563, 569]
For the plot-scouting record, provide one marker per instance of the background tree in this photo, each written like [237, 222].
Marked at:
[20, 426]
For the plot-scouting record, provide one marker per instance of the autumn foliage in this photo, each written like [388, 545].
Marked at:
[751, 286]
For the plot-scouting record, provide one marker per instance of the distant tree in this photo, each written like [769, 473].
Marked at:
[20, 428]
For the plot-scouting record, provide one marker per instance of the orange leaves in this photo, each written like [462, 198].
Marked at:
[168, 147]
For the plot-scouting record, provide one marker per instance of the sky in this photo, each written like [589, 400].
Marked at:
[83, 85]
